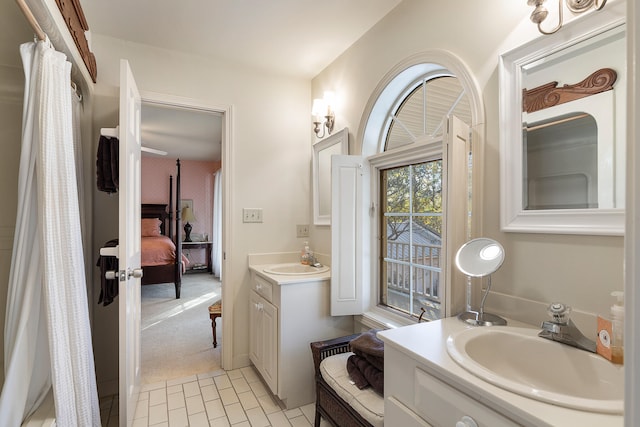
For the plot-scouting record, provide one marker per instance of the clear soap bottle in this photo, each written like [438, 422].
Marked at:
[617, 323]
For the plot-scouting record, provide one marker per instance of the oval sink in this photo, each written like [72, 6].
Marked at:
[516, 359]
[295, 269]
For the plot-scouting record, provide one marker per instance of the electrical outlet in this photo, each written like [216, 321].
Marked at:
[302, 230]
[252, 215]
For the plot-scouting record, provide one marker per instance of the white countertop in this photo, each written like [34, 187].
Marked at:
[288, 279]
[426, 343]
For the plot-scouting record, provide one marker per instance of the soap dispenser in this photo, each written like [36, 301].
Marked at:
[617, 320]
[304, 257]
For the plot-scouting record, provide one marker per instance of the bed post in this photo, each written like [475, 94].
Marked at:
[170, 233]
[178, 269]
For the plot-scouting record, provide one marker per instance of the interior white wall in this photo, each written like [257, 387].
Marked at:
[271, 152]
[579, 270]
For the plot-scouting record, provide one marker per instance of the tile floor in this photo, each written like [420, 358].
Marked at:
[235, 398]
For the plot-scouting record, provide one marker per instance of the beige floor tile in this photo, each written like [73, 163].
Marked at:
[215, 409]
[142, 410]
[236, 373]
[198, 420]
[191, 389]
[257, 418]
[157, 397]
[220, 422]
[235, 413]
[158, 414]
[279, 419]
[222, 382]
[174, 389]
[268, 404]
[258, 388]
[176, 400]
[248, 400]
[178, 418]
[209, 392]
[194, 404]
[228, 396]
[292, 413]
[300, 422]
[240, 385]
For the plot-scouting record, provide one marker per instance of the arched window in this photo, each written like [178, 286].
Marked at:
[421, 163]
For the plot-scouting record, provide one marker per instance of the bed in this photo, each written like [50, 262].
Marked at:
[161, 250]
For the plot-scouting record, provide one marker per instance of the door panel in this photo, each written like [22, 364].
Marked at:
[129, 245]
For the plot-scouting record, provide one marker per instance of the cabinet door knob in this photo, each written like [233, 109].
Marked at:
[466, 421]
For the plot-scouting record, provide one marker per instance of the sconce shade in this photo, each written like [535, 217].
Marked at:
[323, 116]
[318, 108]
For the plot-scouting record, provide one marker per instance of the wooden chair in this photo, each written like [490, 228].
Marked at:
[215, 311]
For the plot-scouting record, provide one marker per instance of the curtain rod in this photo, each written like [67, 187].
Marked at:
[32, 19]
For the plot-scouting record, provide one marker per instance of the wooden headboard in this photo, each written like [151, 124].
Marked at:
[152, 210]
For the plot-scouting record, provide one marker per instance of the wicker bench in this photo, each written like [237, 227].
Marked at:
[329, 405]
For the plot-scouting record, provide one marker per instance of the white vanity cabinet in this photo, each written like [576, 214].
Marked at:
[286, 314]
[424, 386]
[415, 398]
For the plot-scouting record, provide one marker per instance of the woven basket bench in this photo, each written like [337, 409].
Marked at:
[367, 406]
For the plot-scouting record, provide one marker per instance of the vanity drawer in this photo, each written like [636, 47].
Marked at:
[443, 405]
[263, 287]
[401, 415]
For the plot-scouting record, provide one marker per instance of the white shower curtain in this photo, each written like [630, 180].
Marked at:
[47, 333]
[216, 240]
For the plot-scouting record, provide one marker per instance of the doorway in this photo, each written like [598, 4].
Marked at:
[198, 134]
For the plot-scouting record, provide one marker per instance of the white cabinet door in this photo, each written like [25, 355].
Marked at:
[263, 339]
[254, 333]
[270, 345]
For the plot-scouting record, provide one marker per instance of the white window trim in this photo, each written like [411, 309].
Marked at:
[428, 149]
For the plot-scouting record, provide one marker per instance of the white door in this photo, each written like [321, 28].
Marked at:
[129, 245]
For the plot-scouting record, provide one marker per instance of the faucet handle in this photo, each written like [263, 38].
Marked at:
[559, 312]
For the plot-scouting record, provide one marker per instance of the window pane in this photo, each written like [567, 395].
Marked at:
[412, 225]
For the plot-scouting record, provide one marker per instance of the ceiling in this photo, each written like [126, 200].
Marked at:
[298, 38]
[293, 37]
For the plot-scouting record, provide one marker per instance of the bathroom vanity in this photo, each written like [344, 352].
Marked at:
[288, 311]
[424, 386]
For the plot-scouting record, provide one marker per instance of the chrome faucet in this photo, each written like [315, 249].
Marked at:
[563, 330]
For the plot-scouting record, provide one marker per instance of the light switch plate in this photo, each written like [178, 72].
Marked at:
[252, 215]
[302, 230]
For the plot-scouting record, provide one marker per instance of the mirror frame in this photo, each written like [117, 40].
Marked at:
[513, 218]
[320, 176]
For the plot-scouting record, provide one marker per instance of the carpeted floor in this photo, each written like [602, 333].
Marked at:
[176, 334]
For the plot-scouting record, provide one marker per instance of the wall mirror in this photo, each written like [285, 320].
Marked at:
[338, 143]
[562, 130]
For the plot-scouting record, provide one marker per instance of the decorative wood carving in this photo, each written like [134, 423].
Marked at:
[77, 24]
[549, 94]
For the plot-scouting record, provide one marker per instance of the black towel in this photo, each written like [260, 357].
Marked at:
[368, 346]
[107, 172]
[364, 374]
[108, 288]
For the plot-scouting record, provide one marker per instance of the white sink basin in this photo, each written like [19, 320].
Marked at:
[295, 269]
[516, 359]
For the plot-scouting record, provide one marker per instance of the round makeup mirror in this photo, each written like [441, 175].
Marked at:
[479, 258]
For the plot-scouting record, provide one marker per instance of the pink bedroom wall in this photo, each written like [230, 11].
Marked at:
[196, 184]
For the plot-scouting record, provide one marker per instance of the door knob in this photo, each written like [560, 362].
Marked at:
[135, 273]
[110, 275]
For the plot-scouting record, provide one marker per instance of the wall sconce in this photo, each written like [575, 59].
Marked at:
[540, 12]
[323, 115]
